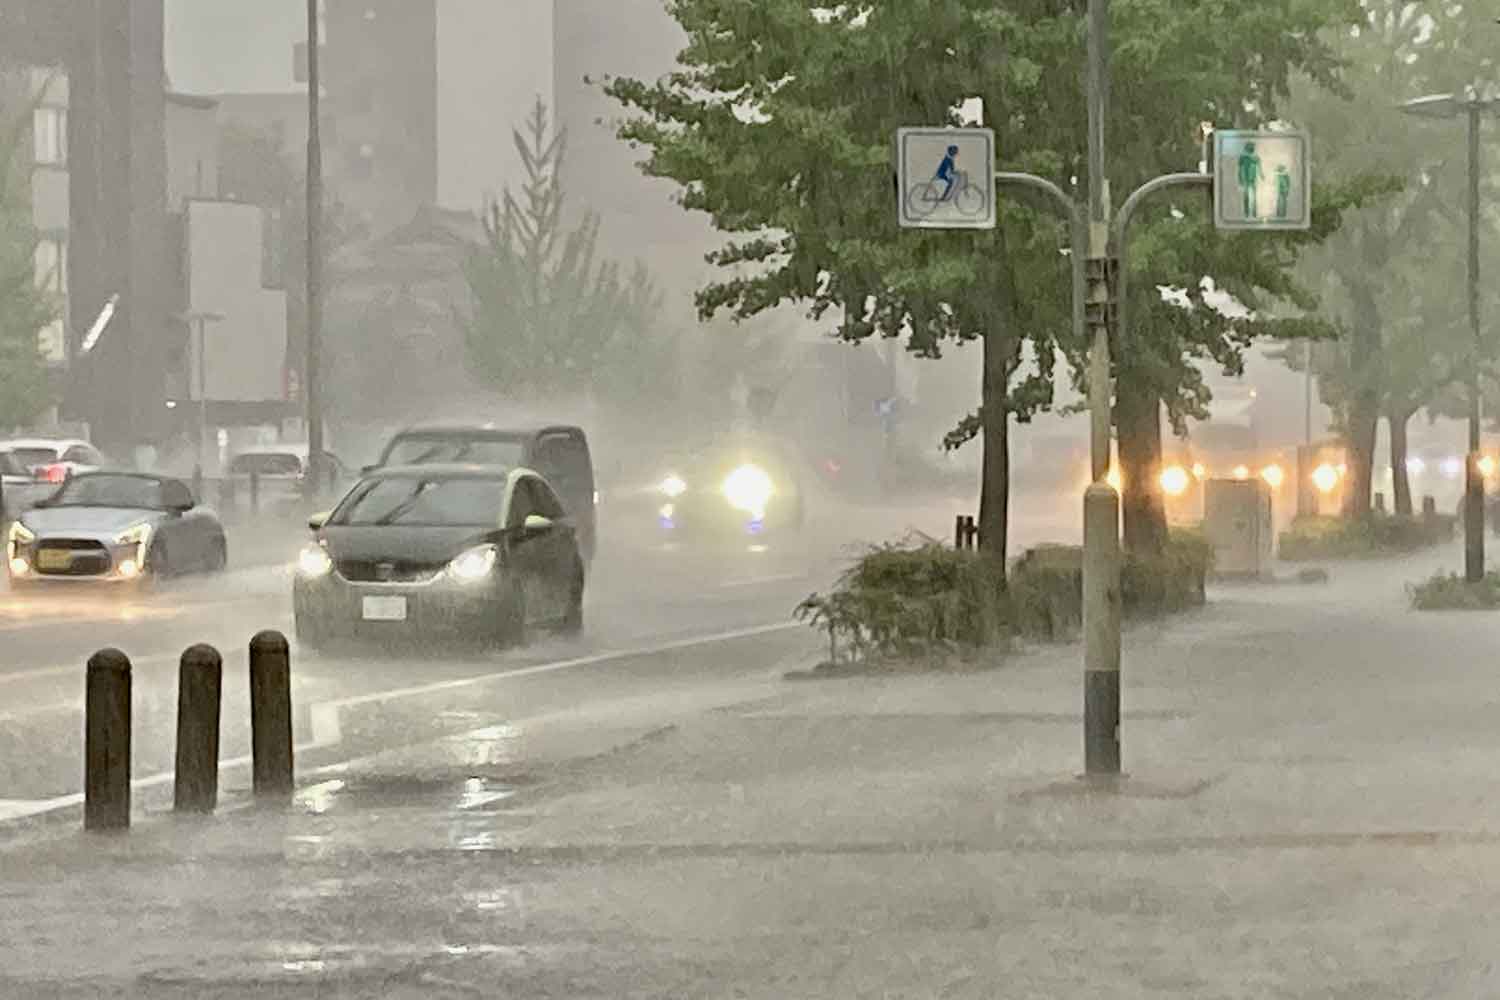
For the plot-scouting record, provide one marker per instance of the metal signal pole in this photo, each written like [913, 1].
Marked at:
[311, 383]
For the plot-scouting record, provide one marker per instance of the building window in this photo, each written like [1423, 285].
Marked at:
[51, 259]
[50, 128]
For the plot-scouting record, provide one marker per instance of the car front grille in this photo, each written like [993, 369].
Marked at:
[389, 571]
[82, 558]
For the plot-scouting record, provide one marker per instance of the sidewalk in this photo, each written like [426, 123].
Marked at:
[1310, 814]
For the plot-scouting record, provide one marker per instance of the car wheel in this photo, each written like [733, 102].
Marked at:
[310, 636]
[218, 559]
[572, 622]
[159, 565]
[510, 623]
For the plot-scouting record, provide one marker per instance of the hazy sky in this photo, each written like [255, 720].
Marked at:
[217, 46]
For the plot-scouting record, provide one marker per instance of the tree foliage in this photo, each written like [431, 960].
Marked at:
[548, 315]
[25, 309]
[778, 123]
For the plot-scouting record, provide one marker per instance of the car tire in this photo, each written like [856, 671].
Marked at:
[572, 622]
[159, 565]
[510, 623]
[309, 636]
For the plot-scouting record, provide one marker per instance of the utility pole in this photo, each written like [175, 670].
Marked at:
[1474, 481]
[1101, 504]
[311, 386]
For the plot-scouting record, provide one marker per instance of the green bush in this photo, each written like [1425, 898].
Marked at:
[1452, 592]
[1364, 537]
[905, 601]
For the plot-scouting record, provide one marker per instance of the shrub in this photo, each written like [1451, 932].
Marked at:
[906, 601]
[1364, 537]
[1452, 592]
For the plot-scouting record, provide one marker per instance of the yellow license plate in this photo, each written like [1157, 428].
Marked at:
[54, 559]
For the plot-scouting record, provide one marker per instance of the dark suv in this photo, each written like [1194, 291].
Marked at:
[558, 451]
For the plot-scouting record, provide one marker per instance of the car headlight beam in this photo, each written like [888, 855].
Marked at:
[749, 489]
[474, 565]
[314, 562]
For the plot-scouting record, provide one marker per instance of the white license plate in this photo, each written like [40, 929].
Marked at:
[49, 559]
[385, 609]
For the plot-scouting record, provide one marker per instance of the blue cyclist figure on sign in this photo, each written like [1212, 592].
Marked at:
[947, 172]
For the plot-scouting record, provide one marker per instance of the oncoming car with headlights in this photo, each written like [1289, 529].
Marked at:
[471, 552]
[728, 492]
[114, 527]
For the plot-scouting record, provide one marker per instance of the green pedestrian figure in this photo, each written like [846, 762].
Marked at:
[1283, 190]
[1250, 174]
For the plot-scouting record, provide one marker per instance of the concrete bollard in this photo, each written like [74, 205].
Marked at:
[271, 715]
[106, 750]
[199, 682]
[1101, 631]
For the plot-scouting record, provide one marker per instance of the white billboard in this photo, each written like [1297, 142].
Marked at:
[240, 324]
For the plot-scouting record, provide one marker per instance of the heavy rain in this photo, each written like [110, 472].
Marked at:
[748, 498]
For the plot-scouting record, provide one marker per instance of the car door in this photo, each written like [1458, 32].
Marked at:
[559, 547]
[183, 531]
[563, 458]
[527, 554]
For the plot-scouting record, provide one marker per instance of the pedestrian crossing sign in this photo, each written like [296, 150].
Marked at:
[1262, 180]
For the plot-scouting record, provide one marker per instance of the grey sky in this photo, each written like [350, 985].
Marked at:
[218, 46]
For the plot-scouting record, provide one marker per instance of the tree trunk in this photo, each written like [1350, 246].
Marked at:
[1143, 510]
[1364, 406]
[994, 416]
[1401, 481]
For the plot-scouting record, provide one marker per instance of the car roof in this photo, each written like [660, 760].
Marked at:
[492, 430]
[299, 450]
[125, 474]
[445, 470]
[57, 443]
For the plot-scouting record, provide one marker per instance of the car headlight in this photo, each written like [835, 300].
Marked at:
[749, 489]
[672, 487]
[474, 565]
[137, 534]
[1174, 481]
[314, 562]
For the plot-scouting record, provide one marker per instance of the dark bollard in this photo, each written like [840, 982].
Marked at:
[199, 680]
[271, 715]
[1429, 507]
[255, 493]
[106, 750]
[1380, 503]
[959, 534]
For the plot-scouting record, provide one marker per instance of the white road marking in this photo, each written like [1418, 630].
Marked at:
[760, 581]
[325, 715]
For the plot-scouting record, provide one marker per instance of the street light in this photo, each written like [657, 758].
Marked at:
[1473, 105]
[201, 321]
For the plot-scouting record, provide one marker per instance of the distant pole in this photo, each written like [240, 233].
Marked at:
[1474, 480]
[310, 381]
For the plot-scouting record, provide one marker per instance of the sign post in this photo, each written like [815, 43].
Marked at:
[945, 178]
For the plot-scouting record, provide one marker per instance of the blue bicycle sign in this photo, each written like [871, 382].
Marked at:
[946, 178]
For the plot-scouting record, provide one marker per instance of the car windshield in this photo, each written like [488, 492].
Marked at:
[419, 450]
[266, 464]
[109, 491]
[447, 503]
[29, 458]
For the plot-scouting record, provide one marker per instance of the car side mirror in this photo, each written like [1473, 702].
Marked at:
[536, 524]
[176, 497]
[317, 521]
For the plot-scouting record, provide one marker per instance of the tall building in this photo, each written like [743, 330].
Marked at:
[104, 131]
[426, 93]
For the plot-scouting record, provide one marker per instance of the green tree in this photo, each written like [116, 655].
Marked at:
[548, 316]
[1393, 278]
[25, 310]
[778, 124]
